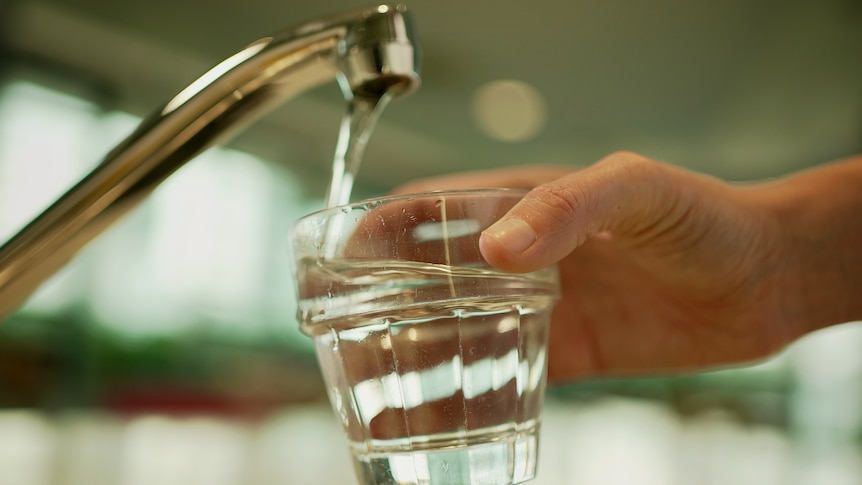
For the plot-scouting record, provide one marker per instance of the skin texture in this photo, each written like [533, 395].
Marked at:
[667, 271]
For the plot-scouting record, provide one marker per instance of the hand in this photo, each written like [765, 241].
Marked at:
[663, 270]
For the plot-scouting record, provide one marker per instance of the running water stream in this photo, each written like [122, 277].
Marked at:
[356, 127]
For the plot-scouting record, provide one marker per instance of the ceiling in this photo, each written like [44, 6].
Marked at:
[741, 89]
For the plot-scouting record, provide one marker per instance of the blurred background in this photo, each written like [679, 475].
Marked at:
[167, 351]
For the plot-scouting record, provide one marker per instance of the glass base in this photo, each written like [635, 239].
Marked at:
[504, 462]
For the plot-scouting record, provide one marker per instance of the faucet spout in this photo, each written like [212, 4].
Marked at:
[370, 51]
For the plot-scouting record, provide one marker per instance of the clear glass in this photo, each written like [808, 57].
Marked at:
[434, 361]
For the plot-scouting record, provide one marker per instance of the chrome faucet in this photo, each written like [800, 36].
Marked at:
[370, 51]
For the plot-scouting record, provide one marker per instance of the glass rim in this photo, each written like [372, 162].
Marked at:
[414, 195]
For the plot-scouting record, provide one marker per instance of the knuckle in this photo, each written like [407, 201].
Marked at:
[635, 167]
[625, 155]
[561, 201]
[629, 160]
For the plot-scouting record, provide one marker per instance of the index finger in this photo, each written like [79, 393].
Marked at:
[525, 177]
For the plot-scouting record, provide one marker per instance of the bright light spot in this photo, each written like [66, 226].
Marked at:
[43, 140]
[437, 231]
[413, 389]
[27, 446]
[297, 447]
[509, 110]
[410, 468]
[199, 250]
[829, 359]
[507, 324]
[621, 444]
[169, 451]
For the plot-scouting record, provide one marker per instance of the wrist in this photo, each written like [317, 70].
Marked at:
[817, 216]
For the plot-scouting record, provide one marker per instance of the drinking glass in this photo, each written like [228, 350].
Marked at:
[434, 361]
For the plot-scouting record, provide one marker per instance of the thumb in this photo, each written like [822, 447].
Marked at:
[624, 193]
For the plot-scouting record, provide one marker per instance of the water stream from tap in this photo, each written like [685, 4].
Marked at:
[356, 127]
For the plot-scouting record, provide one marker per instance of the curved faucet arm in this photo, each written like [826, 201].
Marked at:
[371, 51]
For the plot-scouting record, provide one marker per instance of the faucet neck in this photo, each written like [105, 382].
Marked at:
[373, 49]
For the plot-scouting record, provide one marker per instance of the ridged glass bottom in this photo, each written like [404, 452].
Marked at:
[446, 390]
[505, 462]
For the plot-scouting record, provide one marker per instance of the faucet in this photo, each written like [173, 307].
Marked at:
[370, 52]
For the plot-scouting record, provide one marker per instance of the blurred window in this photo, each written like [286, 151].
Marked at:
[207, 247]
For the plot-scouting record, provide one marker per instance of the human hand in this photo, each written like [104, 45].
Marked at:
[662, 270]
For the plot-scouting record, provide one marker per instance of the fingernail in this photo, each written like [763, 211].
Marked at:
[513, 234]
